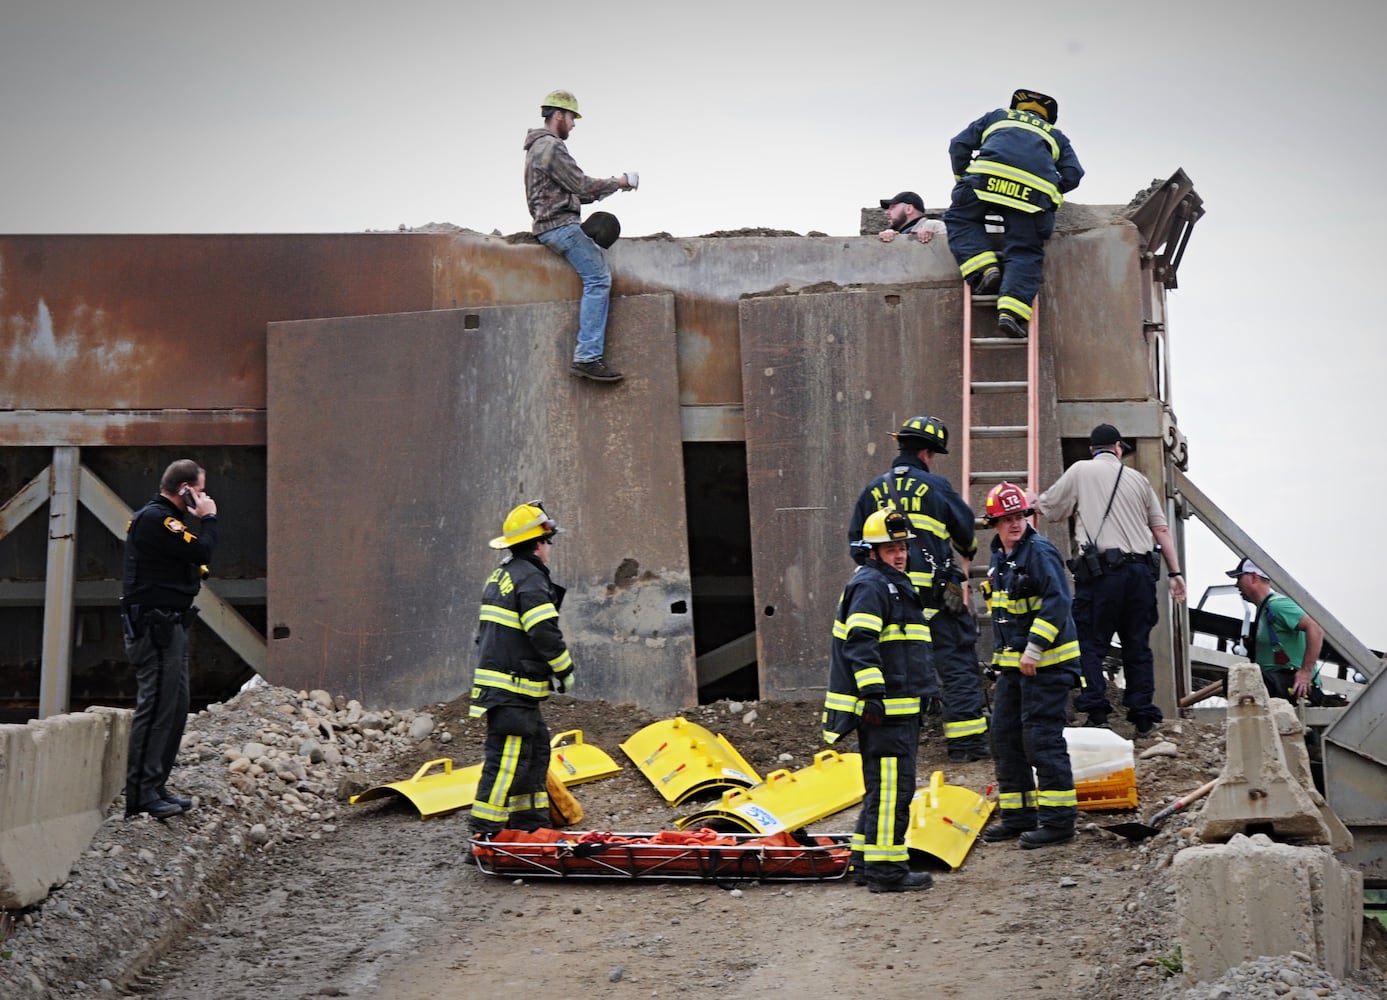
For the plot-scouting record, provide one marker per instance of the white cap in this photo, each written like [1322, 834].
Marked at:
[633, 178]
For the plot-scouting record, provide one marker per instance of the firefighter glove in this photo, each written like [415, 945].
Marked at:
[873, 712]
[562, 683]
[953, 598]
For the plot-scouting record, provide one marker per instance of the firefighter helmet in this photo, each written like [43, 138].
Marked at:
[886, 525]
[1037, 103]
[564, 101]
[930, 431]
[1004, 499]
[525, 523]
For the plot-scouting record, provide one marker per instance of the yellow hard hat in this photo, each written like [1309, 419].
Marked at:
[524, 523]
[886, 525]
[562, 99]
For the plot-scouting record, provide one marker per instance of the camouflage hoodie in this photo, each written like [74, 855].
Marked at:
[554, 186]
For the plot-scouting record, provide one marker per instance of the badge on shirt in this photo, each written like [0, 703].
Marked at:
[177, 527]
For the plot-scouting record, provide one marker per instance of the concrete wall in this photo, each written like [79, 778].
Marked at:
[56, 778]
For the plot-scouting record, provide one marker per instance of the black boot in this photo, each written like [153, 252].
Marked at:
[1045, 836]
[998, 832]
[908, 883]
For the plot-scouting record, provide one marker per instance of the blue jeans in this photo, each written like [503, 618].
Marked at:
[586, 257]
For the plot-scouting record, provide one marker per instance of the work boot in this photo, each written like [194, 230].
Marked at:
[998, 832]
[1097, 720]
[908, 883]
[967, 753]
[1009, 326]
[1145, 727]
[1044, 836]
[990, 281]
[178, 800]
[158, 808]
[597, 370]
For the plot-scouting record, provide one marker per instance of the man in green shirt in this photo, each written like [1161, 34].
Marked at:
[1285, 641]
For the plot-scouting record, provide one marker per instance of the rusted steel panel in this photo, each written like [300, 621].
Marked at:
[131, 428]
[381, 499]
[155, 322]
[1091, 311]
[827, 377]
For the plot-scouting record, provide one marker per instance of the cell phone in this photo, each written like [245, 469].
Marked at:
[189, 497]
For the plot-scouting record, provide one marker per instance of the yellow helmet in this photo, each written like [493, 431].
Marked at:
[524, 523]
[563, 100]
[886, 525]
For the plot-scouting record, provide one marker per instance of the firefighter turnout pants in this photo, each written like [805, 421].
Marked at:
[1028, 717]
[888, 772]
[513, 792]
[1023, 246]
[954, 642]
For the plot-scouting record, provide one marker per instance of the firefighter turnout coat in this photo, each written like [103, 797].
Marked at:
[521, 653]
[1023, 162]
[1030, 604]
[880, 650]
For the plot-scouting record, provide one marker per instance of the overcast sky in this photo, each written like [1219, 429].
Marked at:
[177, 117]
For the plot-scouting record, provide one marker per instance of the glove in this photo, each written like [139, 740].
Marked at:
[873, 712]
[953, 598]
[562, 683]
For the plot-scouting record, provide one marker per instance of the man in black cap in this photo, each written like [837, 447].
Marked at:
[1011, 162]
[905, 215]
[1117, 516]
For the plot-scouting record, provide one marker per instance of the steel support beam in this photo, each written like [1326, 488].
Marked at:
[25, 502]
[220, 616]
[58, 608]
[1354, 651]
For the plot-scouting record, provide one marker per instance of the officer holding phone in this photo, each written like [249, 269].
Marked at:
[165, 560]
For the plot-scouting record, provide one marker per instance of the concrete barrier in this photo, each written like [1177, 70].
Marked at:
[57, 776]
[1252, 897]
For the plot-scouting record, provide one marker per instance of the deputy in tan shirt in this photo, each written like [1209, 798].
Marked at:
[1122, 598]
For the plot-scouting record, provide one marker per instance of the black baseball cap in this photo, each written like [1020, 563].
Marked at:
[1106, 435]
[905, 197]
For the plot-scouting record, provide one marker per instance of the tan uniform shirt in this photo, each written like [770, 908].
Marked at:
[1086, 486]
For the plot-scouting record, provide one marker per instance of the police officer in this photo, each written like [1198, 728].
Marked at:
[1036, 658]
[165, 558]
[879, 673]
[521, 658]
[1011, 162]
[1120, 533]
[942, 524]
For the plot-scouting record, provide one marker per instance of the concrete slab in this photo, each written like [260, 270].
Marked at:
[1292, 734]
[57, 776]
[1256, 793]
[1253, 897]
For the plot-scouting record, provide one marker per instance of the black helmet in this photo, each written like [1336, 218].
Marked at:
[602, 228]
[930, 432]
[1034, 101]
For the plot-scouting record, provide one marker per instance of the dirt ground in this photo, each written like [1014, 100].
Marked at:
[324, 898]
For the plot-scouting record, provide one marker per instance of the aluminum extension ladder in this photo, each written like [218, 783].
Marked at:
[1000, 401]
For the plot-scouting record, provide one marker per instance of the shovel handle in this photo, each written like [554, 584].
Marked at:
[1180, 803]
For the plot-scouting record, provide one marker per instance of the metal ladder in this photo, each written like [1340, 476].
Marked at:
[987, 428]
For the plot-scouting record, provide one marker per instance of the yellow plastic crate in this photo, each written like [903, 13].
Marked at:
[1112, 791]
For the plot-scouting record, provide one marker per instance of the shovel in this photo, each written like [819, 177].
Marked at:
[1140, 831]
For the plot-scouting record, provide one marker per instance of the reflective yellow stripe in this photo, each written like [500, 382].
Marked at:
[965, 727]
[911, 633]
[537, 614]
[1027, 126]
[562, 662]
[1057, 799]
[495, 808]
[931, 524]
[510, 682]
[1022, 309]
[978, 262]
[837, 701]
[1059, 654]
[1044, 629]
[1011, 800]
[996, 168]
[500, 616]
[862, 620]
[869, 677]
[922, 581]
[881, 848]
[902, 706]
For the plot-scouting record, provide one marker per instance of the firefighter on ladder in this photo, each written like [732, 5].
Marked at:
[1037, 661]
[943, 524]
[879, 676]
[521, 658]
[1011, 162]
